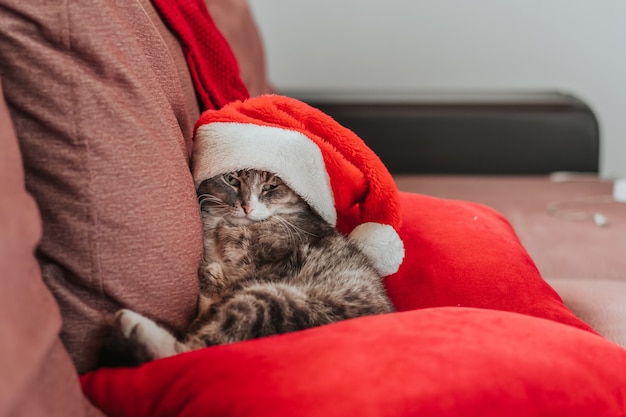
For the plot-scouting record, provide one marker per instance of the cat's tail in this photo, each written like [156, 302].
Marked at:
[265, 309]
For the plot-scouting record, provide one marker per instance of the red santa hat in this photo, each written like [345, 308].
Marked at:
[328, 165]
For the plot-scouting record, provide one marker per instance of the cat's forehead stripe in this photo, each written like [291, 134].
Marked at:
[248, 173]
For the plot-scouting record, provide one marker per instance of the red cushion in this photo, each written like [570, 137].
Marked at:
[430, 362]
[464, 254]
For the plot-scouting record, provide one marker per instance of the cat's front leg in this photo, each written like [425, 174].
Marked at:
[147, 339]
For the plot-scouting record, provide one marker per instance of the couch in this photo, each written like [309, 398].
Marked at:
[98, 212]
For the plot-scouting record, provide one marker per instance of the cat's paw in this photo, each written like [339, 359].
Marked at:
[147, 339]
[213, 273]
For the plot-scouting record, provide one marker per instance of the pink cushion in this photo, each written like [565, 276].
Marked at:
[431, 362]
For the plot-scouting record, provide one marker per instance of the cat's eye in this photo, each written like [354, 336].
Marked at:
[230, 180]
[269, 187]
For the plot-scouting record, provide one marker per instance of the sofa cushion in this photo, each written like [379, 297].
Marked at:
[106, 150]
[445, 361]
[36, 375]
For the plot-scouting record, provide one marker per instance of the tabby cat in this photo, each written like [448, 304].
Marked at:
[271, 266]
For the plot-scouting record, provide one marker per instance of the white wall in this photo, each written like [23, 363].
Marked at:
[575, 46]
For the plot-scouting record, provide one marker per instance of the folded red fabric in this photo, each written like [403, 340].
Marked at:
[211, 62]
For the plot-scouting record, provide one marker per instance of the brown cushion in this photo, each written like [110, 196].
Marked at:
[104, 114]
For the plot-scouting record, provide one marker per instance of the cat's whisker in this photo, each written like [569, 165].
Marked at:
[288, 231]
[293, 229]
[214, 202]
[211, 199]
[299, 229]
[293, 233]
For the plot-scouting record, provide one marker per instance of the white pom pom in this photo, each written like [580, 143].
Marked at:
[381, 243]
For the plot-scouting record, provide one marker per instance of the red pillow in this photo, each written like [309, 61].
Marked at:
[431, 362]
[464, 254]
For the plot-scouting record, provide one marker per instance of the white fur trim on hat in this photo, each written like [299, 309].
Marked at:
[223, 147]
[381, 243]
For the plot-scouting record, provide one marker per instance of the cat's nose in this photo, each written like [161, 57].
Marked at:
[246, 208]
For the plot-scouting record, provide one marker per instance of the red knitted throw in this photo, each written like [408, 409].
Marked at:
[211, 62]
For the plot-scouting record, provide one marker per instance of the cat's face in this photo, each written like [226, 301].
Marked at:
[247, 196]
